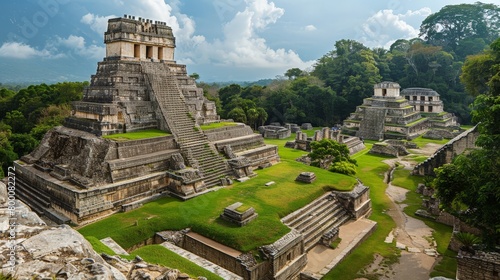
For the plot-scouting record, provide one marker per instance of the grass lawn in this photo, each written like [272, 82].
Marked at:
[447, 266]
[136, 135]
[158, 254]
[421, 142]
[98, 246]
[217, 125]
[201, 214]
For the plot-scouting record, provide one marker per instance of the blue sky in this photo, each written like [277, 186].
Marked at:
[221, 40]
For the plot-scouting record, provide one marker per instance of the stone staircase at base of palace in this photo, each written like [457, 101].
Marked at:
[316, 218]
[196, 148]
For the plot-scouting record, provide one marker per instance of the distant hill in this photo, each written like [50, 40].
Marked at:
[261, 82]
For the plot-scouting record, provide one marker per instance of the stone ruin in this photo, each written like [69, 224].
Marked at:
[306, 126]
[77, 175]
[233, 214]
[306, 177]
[274, 132]
[428, 103]
[330, 236]
[392, 147]
[391, 114]
[357, 202]
[303, 142]
[385, 115]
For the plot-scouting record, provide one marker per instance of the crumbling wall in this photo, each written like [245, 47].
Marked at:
[82, 153]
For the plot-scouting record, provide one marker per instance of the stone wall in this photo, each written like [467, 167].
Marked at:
[478, 266]
[287, 256]
[228, 132]
[214, 255]
[447, 152]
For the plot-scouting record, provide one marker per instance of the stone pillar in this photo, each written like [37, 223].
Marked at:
[317, 136]
[304, 136]
[298, 135]
[326, 133]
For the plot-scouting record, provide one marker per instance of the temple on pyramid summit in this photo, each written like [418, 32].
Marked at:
[391, 114]
[77, 175]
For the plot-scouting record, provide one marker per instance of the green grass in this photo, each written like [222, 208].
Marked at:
[136, 135]
[421, 142]
[335, 243]
[416, 158]
[201, 214]
[98, 246]
[160, 255]
[242, 208]
[217, 125]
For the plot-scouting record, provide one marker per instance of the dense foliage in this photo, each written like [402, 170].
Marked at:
[331, 155]
[26, 115]
[470, 186]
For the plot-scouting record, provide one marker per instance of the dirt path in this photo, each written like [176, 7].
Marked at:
[412, 236]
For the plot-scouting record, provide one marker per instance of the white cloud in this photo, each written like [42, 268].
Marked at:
[97, 23]
[385, 27]
[243, 47]
[23, 51]
[78, 46]
[310, 27]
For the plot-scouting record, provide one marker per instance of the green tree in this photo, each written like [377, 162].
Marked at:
[332, 155]
[470, 185]
[238, 115]
[195, 76]
[23, 144]
[17, 121]
[350, 71]
[228, 92]
[262, 116]
[455, 25]
[293, 73]
[7, 154]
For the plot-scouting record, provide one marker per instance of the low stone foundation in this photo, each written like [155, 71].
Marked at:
[234, 215]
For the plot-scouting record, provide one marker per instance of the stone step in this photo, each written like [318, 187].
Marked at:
[141, 159]
[296, 215]
[323, 225]
[312, 207]
[325, 217]
[313, 240]
[314, 216]
[191, 140]
[33, 194]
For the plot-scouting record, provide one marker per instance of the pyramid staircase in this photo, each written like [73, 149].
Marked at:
[316, 218]
[196, 148]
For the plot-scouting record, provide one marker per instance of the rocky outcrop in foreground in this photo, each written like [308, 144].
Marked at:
[60, 252]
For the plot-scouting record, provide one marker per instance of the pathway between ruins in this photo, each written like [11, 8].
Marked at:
[412, 236]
